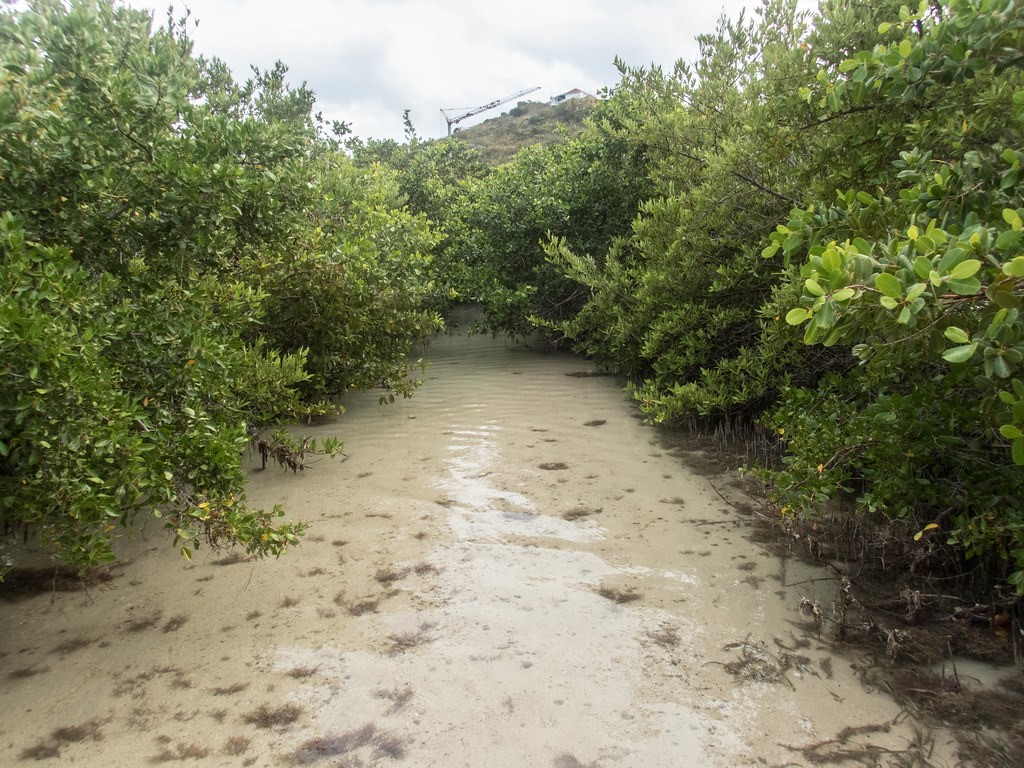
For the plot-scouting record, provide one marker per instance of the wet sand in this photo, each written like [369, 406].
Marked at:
[507, 570]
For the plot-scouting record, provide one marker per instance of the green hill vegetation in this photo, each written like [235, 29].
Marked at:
[529, 123]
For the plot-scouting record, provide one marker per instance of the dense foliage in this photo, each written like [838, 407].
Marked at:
[816, 225]
[186, 261]
[582, 193]
[921, 275]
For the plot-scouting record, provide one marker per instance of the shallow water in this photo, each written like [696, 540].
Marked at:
[507, 570]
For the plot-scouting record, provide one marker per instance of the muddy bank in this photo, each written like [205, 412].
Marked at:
[509, 569]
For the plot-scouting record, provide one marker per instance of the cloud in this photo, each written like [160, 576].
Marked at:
[368, 60]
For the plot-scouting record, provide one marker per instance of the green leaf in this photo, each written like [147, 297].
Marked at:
[884, 27]
[1011, 217]
[960, 354]
[830, 260]
[812, 287]
[906, 48]
[967, 287]
[924, 244]
[965, 269]
[956, 335]
[1000, 368]
[915, 291]
[796, 316]
[811, 333]
[1008, 239]
[826, 316]
[844, 294]
[952, 256]
[1014, 267]
[888, 285]
[1010, 432]
[1017, 451]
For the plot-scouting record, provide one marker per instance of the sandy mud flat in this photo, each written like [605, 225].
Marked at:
[510, 569]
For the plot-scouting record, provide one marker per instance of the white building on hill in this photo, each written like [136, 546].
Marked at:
[575, 93]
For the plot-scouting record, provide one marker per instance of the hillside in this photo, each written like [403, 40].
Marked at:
[528, 123]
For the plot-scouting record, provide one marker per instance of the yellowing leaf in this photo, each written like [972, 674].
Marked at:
[796, 316]
[843, 294]
[1014, 268]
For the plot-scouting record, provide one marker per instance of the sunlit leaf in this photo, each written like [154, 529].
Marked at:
[960, 354]
[956, 335]
[796, 316]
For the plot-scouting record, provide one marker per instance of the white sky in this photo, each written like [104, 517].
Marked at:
[369, 60]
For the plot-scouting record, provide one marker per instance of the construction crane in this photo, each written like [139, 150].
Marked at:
[459, 118]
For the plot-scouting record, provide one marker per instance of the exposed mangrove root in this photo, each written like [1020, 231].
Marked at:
[918, 627]
[758, 663]
[985, 720]
[844, 748]
[289, 453]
